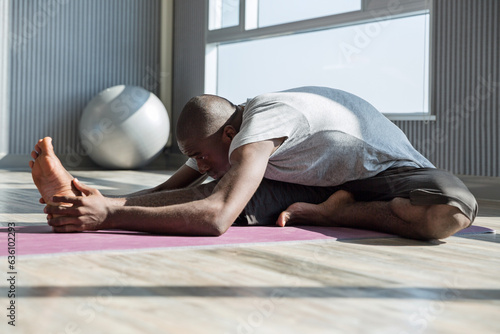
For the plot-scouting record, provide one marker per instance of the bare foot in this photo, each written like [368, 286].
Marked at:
[49, 175]
[311, 214]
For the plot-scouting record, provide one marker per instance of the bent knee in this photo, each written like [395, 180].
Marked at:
[443, 221]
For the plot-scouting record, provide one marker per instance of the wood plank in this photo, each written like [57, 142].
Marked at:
[389, 285]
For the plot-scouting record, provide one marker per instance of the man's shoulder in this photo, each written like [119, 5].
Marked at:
[302, 93]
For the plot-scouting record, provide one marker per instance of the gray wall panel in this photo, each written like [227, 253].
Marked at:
[64, 52]
[466, 82]
[4, 91]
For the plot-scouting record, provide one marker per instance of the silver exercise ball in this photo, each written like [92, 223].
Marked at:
[124, 127]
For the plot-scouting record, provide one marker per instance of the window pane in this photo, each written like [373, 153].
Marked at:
[223, 14]
[272, 12]
[384, 62]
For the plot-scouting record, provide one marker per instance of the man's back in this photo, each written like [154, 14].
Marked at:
[331, 136]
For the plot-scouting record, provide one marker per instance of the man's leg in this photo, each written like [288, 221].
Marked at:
[272, 197]
[418, 203]
[49, 175]
[397, 216]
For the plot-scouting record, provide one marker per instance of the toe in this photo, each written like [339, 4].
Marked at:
[46, 145]
[283, 219]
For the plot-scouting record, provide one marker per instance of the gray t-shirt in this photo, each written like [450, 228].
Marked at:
[331, 137]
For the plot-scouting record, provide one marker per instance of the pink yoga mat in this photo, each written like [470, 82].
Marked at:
[31, 240]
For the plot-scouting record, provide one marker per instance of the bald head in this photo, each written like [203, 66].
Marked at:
[203, 116]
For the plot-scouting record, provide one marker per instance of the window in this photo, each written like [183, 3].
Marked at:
[378, 53]
[264, 13]
[223, 14]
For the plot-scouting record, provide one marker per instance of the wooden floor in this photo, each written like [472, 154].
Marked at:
[386, 285]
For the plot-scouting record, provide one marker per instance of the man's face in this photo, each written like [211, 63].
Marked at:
[211, 155]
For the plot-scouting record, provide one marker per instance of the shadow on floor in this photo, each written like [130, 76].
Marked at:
[423, 293]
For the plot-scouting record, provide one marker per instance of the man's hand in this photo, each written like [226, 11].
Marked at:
[87, 213]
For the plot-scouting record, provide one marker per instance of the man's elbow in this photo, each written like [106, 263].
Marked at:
[218, 227]
[216, 230]
[218, 222]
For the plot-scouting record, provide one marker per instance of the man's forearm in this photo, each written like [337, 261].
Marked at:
[137, 193]
[197, 218]
[162, 196]
[159, 188]
[166, 198]
[183, 178]
[184, 211]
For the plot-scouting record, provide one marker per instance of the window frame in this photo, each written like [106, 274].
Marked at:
[371, 10]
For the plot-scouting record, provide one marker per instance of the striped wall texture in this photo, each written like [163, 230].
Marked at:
[4, 92]
[465, 138]
[63, 52]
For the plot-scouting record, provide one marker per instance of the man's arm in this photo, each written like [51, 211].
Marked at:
[212, 215]
[184, 177]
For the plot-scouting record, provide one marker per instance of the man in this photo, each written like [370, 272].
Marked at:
[310, 155]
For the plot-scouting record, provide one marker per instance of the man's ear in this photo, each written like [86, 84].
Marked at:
[229, 132]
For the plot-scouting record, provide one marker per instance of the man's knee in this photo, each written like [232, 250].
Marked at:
[443, 221]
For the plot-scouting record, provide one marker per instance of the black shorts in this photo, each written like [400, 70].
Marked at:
[422, 186]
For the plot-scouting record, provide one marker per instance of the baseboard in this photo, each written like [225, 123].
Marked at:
[483, 187]
[15, 161]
